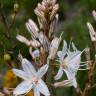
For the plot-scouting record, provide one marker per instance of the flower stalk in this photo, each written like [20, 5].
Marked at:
[43, 48]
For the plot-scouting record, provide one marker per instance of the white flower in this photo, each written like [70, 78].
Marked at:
[69, 64]
[32, 79]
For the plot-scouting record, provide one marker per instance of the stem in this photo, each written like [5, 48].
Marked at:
[90, 73]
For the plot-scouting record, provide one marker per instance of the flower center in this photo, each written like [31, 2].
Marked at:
[35, 80]
[64, 64]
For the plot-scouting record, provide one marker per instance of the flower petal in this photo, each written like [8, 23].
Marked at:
[28, 67]
[41, 72]
[35, 53]
[59, 53]
[64, 50]
[71, 76]
[75, 60]
[74, 47]
[71, 55]
[23, 88]
[74, 82]
[43, 88]
[70, 73]
[62, 53]
[36, 92]
[59, 74]
[20, 74]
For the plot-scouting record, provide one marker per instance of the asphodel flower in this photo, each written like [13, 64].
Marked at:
[69, 64]
[38, 38]
[32, 79]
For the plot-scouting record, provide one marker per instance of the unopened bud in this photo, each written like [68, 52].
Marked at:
[23, 40]
[7, 57]
[16, 7]
[92, 32]
[94, 14]
[54, 47]
[65, 83]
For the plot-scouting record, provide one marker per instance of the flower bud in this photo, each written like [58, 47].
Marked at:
[23, 39]
[54, 47]
[94, 14]
[35, 43]
[7, 57]
[16, 7]
[32, 28]
[65, 83]
[92, 32]
[54, 11]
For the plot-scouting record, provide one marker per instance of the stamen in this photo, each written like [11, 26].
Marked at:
[84, 69]
[83, 62]
[83, 65]
[35, 80]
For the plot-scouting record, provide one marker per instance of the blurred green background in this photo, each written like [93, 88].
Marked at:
[72, 20]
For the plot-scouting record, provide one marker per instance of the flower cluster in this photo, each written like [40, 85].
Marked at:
[46, 43]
